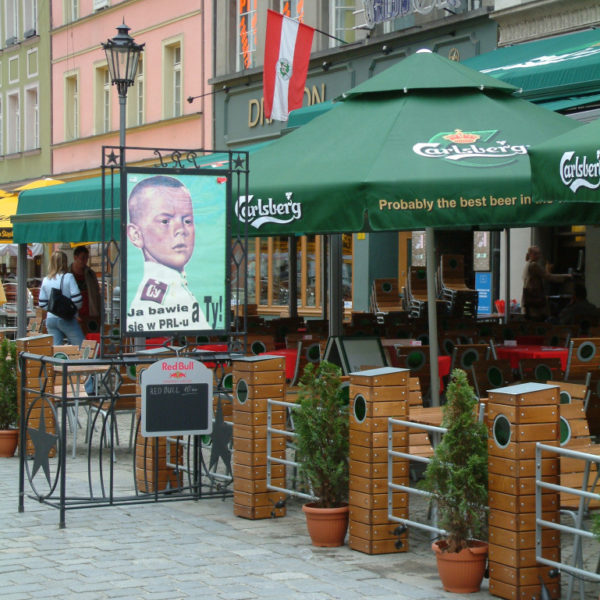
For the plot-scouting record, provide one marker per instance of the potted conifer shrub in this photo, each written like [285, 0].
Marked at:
[321, 426]
[9, 410]
[457, 477]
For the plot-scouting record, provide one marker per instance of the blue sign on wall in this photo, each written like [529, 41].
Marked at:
[483, 284]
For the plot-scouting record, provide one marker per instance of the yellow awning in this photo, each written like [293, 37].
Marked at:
[8, 207]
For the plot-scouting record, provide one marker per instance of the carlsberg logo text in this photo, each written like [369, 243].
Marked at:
[576, 171]
[257, 211]
[455, 152]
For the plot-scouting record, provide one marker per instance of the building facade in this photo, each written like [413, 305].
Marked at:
[175, 64]
[348, 48]
[25, 107]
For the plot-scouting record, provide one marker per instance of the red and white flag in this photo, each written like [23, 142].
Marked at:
[287, 53]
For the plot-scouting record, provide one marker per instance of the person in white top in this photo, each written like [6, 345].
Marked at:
[59, 277]
[161, 225]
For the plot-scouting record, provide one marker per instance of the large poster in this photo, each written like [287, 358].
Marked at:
[175, 228]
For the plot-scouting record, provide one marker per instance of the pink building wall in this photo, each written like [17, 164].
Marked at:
[76, 48]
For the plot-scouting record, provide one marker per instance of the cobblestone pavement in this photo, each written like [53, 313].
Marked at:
[193, 549]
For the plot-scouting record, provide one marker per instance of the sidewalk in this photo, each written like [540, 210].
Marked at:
[194, 549]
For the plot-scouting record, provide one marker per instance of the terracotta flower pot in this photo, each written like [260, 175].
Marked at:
[8, 442]
[326, 526]
[461, 572]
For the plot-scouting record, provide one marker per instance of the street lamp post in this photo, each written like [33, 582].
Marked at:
[123, 57]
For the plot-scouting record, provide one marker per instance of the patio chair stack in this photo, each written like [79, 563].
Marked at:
[519, 416]
[462, 300]
[385, 296]
[417, 295]
[35, 378]
[256, 379]
[376, 395]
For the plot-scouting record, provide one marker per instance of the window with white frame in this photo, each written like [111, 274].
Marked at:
[70, 10]
[173, 80]
[13, 69]
[71, 107]
[293, 9]
[102, 93]
[13, 121]
[32, 119]
[32, 63]
[30, 16]
[246, 34]
[11, 21]
[342, 21]
[135, 98]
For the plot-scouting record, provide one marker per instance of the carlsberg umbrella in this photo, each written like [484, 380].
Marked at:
[567, 168]
[426, 143]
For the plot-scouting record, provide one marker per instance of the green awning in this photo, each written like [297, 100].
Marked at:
[72, 212]
[69, 212]
[558, 67]
[564, 103]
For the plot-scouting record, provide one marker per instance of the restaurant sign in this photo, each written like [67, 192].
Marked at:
[378, 11]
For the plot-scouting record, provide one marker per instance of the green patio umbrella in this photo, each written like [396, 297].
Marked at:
[426, 143]
[566, 168]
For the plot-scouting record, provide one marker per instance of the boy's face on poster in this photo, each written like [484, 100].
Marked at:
[164, 227]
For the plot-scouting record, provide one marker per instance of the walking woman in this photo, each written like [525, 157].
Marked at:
[59, 278]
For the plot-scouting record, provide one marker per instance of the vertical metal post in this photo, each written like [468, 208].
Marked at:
[22, 442]
[432, 315]
[293, 275]
[507, 276]
[336, 309]
[62, 451]
[22, 291]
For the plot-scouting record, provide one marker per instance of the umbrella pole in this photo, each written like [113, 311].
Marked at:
[507, 276]
[432, 315]
[336, 310]
[293, 273]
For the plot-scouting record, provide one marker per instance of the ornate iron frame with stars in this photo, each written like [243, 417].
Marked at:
[229, 168]
[196, 466]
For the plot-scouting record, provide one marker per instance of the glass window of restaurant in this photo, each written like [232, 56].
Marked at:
[269, 274]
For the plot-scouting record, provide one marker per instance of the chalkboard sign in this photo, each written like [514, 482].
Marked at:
[176, 398]
[176, 407]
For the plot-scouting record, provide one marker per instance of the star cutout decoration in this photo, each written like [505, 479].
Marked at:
[238, 162]
[221, 437]
[43, 442]
[112, 157]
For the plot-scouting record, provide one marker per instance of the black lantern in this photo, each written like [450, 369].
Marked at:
[123, 56]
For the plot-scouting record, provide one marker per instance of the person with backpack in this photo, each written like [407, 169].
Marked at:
[59, 278]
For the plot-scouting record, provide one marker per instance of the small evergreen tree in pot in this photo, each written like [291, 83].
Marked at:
[321, 425]
[9, 410]
[457, 474]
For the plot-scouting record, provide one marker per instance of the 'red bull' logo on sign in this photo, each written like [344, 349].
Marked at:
[470, 148]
